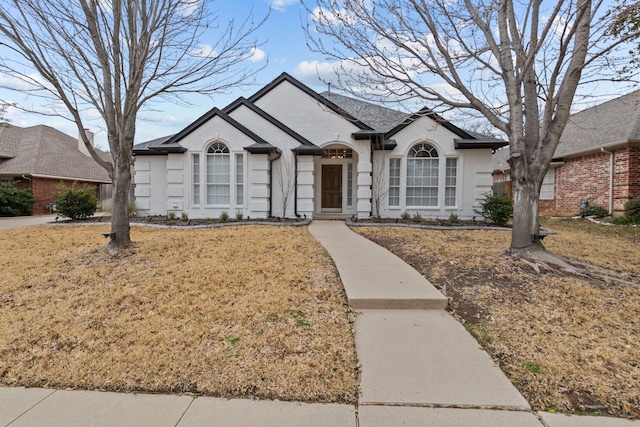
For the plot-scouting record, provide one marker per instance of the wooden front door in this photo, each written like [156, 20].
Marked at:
[331, 186]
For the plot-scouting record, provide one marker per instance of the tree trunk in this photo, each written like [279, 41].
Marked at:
[120, 230]
[526, 227]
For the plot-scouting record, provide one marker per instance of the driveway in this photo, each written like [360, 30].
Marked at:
[23, 221]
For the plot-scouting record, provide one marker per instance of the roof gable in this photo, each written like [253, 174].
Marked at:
[243, 102]
[215, 112]
[427, 112]
[284, 77]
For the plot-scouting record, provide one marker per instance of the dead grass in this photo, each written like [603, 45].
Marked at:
[247, 311]
[567, 343]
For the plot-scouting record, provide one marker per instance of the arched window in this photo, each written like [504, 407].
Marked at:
[422, 175]
[218, 174]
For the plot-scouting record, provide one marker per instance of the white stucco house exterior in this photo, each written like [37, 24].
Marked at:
[288, 151]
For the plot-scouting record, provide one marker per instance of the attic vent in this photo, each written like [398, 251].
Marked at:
[337, 153]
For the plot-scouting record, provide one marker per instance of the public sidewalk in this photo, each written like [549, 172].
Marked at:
[419, 368]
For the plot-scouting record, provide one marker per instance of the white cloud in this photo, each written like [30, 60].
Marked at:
[324, 70]
[318, 74]
[205, 51]
[20, 83]
[281, 5]
[256, 54]
[188, 7]
[332, 17]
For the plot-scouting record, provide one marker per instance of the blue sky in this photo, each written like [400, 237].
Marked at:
[284, 47]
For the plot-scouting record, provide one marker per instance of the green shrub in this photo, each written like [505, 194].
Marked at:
[184, 216]
[75, 203]
[621, 220]
[13, 201]
[454, 217]
[417, 217]
[632, 209]
[239, 215]
[405, 215]
[171, 216]
[224, 216]
[597, 211]
[497, 209]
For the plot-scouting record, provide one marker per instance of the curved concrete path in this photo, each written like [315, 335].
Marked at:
[419, 368]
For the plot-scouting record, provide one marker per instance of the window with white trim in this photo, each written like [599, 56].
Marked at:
[451, 180]
[422, 176]
[239, 179]
[546, 191]
[218, 175]
[394, 182]
[196, 179]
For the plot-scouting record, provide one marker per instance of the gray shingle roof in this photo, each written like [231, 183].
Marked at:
[379, 118]
[42, 150]
[608, 124]
[613, 122]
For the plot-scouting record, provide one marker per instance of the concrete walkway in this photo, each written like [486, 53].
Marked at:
[419, 368]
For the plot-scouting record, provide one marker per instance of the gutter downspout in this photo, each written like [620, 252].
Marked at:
[611, 177]
[371, 186]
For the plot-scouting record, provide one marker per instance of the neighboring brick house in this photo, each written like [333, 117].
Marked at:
[597, 159]
[40, 157]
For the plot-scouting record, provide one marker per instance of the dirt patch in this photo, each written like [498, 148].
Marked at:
[251, 311]
[567, 343]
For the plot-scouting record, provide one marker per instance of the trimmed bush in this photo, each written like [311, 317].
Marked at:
[632, 209]
[497, 209]
[75, 203]
[13, 201]
[597, 211]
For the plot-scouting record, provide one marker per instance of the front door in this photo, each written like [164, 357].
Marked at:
[331, 186]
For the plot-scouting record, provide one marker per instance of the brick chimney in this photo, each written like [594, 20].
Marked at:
[81, 147]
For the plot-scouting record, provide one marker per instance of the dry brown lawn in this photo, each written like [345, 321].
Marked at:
[568, 343]
[248, 311]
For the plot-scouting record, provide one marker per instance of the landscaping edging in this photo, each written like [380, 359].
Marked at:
[306, 221]
[352, 223]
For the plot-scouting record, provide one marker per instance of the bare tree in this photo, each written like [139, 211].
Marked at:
[379, 183]
[117, 56]
[518, 64]
[286, 180]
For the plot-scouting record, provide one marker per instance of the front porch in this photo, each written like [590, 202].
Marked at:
[342, 177]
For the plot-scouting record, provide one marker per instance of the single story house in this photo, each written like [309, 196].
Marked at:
[40, 157]
[288, 151]
[597, 160]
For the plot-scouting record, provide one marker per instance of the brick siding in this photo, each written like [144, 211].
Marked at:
[587, 178]
[43, 189]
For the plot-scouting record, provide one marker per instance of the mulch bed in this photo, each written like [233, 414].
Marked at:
[162, 220]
